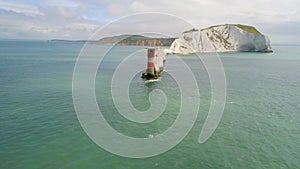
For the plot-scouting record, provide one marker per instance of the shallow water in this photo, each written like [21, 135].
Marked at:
[39, 127]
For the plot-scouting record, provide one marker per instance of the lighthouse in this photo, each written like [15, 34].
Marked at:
[151, 59]
[156, 59]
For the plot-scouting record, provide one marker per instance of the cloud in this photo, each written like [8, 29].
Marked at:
[275, 18]
[20, 8]
[54, 23]
[78, 19]
[215, 10]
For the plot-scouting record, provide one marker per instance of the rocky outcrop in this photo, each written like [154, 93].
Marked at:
[221, 38]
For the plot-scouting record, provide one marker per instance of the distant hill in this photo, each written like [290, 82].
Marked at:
[134, 40]
[62, 40]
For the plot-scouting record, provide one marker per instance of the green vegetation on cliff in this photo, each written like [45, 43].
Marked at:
[247, 28]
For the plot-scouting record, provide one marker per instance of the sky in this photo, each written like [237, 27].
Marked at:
[79, 19]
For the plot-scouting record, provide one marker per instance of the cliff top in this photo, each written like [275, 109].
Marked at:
[246, 28]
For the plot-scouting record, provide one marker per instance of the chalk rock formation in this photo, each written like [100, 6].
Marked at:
[221, 38]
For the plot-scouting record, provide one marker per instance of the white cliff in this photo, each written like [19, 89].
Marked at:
[221, 38]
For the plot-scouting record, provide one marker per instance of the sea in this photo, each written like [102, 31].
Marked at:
[39, 127]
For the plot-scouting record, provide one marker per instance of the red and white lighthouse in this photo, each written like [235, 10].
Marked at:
[151, 56]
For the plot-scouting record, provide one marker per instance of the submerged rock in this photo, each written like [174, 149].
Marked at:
[221, 38]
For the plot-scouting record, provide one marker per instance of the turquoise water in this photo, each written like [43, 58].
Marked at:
[39, 128]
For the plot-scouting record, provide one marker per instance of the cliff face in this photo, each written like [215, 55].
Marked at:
[221, 38]
[147, 42]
